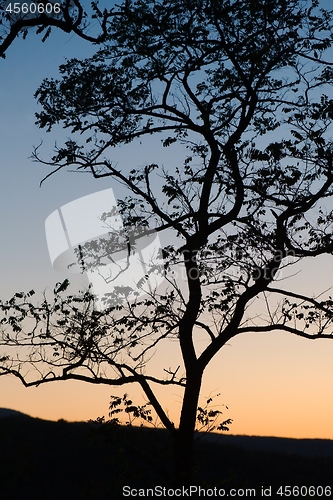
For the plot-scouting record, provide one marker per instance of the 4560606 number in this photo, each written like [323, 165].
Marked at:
[304, 491]
[33, 8]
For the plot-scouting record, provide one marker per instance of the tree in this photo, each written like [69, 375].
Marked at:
[69, 16]
[241, 85]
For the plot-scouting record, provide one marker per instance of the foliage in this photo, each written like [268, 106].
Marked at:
[207, 416]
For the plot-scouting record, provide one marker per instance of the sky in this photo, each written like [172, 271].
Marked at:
[273, 384]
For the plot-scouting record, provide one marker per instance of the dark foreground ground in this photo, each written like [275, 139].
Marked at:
[60, 460]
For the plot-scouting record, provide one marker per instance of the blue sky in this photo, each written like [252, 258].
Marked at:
[285, 373]
[25, 262]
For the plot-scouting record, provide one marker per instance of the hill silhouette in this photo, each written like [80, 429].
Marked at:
[45, 459]
[7, 412]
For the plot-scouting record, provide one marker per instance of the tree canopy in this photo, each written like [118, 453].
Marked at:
[243, 86]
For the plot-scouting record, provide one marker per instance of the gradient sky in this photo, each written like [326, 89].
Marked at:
[273, 384]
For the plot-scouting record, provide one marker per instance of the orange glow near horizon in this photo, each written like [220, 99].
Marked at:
[274, 384]
[277, 392]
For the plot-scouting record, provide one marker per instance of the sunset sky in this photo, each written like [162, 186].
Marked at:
[273, 384]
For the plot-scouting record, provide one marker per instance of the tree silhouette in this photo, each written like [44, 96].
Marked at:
[70, 16]
[241, 85]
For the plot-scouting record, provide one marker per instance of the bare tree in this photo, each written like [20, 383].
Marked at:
[241, 85]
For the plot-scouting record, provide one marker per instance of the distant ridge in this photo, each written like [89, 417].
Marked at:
[293, 446]
[7, 412]
[302, 447]
[34, 451]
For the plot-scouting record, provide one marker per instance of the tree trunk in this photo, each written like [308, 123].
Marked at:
[183, 441]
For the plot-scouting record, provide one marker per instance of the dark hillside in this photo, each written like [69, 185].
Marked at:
[60, 460]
